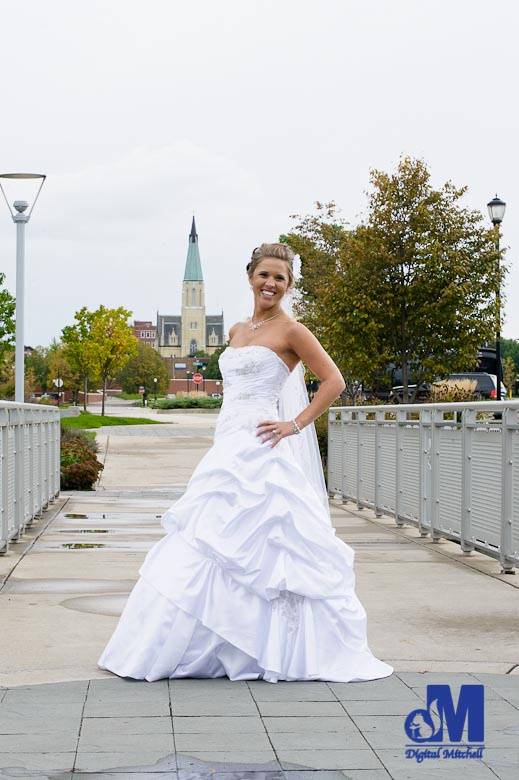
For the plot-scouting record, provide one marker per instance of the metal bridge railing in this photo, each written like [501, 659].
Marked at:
[29, 465]
[450, 469]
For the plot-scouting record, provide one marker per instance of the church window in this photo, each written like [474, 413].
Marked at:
[193, 297]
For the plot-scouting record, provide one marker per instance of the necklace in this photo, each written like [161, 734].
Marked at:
[255, 325]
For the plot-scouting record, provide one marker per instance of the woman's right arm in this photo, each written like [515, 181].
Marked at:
[310, 351]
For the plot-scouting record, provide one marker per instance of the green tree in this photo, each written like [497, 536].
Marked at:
[510, 348]
[7, 389]
[112, 343]
[413, 286]
[142, 368]
[60, 368]
[509, 375]
[325, 300]
[212, 370]
[38, 363]
[7, 319]
[78, 348]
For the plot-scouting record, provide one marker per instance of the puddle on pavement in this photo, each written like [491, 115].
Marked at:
[80, 546]
[67, 586]
[98, 605]
[142, 546]
[113, 516]
[86, 531]
[123, 530]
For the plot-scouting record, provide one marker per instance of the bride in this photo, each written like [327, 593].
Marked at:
[250, 581]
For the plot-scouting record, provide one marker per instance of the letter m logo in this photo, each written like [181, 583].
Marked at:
[470, 710]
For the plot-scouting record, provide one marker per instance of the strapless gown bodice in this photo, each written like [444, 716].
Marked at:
[250, 580]
[253, 378]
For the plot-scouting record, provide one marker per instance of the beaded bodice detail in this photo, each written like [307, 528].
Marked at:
[253, 377]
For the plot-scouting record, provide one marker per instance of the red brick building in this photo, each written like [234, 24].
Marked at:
[145, 331]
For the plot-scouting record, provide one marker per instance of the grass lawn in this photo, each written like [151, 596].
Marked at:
[87, 420]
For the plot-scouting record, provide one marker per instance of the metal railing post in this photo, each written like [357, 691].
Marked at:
[401, 417]
[468, 422]
[424, 520]
[379, 417]
[345, 420]
[507, 483]
[361, 417]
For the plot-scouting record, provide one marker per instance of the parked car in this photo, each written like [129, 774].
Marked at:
[486, 387]
[486, 384]
[216, 395]
[396, 395]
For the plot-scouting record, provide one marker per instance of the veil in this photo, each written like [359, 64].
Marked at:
[292, 400]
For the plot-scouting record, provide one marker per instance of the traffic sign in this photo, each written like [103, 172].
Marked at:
[197, 378]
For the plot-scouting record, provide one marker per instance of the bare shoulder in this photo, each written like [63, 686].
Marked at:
[310, 350]
[235, 329]
[301, 338]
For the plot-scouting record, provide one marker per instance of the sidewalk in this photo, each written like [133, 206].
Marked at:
[435, 615]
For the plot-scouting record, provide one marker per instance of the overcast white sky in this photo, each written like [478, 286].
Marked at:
[245, 111]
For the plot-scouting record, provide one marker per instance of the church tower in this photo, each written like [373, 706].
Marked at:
[193, 299]
[181, 335]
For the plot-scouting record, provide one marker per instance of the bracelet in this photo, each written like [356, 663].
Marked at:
[295, 427]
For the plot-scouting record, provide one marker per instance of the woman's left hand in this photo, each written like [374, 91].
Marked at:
[274, 430]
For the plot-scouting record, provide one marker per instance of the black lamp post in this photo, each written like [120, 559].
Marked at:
[496, 210]
[155, 387]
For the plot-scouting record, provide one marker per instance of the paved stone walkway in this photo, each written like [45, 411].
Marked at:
[437, 616]
[210, 729]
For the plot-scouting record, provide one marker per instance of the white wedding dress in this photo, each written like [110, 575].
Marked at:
[250, 581]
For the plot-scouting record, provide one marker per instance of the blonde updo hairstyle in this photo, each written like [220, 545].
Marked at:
[279, 251]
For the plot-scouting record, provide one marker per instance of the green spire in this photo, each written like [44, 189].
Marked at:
[193, 272]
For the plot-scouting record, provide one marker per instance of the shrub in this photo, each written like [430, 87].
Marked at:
[452, 391]
[88, 438]
[79, 467]
[189, 403]
[321, 429]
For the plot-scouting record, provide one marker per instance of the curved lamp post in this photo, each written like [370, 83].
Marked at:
[20, 218]
[496, 209]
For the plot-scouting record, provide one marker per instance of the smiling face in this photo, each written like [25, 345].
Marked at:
[269, 282]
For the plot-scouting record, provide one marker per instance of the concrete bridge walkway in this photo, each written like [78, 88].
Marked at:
[435, 615]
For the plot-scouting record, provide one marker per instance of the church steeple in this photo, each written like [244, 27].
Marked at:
[193, 270]
[193, 236]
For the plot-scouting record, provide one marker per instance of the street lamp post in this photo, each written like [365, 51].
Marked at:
[20, 218]
[187, 377]
[59, 384]
[203, 380]
[496, 209]
[155, 387]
